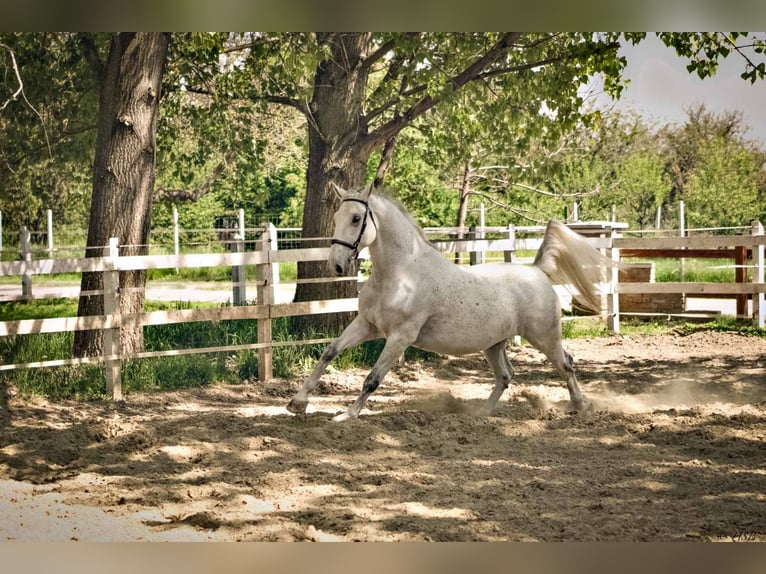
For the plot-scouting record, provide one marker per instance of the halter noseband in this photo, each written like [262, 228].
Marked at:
[354, 247]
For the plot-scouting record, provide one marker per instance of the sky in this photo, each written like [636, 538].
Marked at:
[661, 88]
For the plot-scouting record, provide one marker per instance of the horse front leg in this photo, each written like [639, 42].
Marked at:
[357, 332]
[395, 346]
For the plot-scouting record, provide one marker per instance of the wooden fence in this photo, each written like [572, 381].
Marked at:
[506, 240]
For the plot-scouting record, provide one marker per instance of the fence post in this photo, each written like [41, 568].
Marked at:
[25, 244]
[50, 233]
[176, 249]
[111, 281]
[682, 233]
[759, 305]
[613, 297]
[238, 273]
[1, 232]
[265, 297]
[477, 257]
[509, 254]
[274, 247]
[740, 276]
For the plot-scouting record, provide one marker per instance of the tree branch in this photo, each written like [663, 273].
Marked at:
[20, 91]
[272, 99]
[539, 63]
[395, 125]
[384, 164]
[515, 210]
[192, 195]
[553, 194]
[376, 55]
[14, 96]
[91, 55]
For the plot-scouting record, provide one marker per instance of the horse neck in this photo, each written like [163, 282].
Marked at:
[397, 238]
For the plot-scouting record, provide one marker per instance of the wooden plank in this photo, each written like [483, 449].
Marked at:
[465, 245]
[694, 242]
[55, 325]
[196, 315]
[298, 255]
[692, 288]
[740, 276]
[52, 266]
[62, 324]
[192, 260]
[131, 262]
[315, 307]
[54, 363]
[677, 253]
[228, 348]
[112, 346]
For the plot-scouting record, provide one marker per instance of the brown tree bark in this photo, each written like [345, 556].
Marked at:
[123, 174]
[334, 157]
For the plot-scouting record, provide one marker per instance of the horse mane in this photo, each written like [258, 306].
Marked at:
[386, 196]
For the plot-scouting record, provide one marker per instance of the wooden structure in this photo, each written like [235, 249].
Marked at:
[647, 303]
[265, 258]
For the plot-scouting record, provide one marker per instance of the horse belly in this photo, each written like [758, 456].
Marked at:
[510, 301]
[458, 334]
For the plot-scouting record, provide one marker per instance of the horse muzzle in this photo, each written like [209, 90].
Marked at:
[339, 260]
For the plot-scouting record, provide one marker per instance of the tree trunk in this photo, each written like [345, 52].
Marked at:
[334, 157]
[123, 175]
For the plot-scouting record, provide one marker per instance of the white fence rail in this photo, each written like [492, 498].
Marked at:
[266, 257]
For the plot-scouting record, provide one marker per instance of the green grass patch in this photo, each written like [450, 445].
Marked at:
[692, 270]
[37, 309]
[594, 327]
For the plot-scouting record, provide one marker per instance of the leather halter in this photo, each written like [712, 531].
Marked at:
[354, 247]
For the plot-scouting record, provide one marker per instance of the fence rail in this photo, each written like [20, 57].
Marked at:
[267, 255]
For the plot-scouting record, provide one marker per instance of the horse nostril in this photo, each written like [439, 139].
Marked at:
[338, 270]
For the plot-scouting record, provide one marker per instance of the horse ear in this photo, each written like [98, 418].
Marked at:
[368, 191]
[338, 191]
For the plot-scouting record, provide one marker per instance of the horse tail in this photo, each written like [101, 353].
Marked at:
[568, 259]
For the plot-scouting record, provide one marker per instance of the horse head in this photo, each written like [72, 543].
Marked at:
[353, 231]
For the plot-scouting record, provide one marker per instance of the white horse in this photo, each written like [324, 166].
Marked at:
[416, 297]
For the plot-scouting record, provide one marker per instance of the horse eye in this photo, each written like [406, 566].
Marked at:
[356, 219]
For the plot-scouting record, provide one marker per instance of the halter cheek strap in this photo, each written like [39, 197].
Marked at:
[354, 247]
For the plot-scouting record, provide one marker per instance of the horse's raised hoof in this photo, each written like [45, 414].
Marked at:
[297, 406]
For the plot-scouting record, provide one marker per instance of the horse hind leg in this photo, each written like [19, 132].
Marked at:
[550, 345]
[565, 365]
[501, 367]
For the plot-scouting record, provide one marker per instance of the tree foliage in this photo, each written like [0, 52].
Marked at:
[47, 132]
[243, 114]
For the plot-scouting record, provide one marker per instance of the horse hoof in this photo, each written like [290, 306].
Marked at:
[485, 411]
[585, 406]
[297, 406]
[342, 417]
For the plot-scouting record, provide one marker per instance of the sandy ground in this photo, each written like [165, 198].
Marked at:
[675, 450]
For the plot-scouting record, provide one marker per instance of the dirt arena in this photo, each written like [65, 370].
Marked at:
[674, 450]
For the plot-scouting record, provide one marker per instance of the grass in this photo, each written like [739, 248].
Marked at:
[694, 270]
